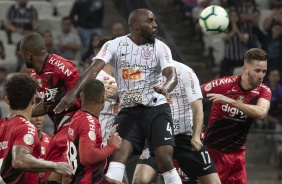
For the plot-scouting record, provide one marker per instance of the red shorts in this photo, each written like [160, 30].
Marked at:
[231, 167]
[56, 151]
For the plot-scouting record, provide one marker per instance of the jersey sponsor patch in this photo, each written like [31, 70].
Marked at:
[132, 97]
[28, 139]
[131, 74]
[92, 135]
[208, 87]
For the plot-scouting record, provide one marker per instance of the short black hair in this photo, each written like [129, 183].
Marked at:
[33, 43]
[20, 89]
[93, 91]
[134, 15]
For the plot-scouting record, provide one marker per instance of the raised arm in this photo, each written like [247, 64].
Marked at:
[23, 160]
[69, 99]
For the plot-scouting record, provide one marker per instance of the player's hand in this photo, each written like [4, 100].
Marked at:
[161, 90]
[63, 168]
[196, 144]
[111, 90]
[115, 139]
[66, 102]
[112, 181]
[219, 98]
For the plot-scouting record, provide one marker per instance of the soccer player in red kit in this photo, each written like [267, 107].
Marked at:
[44, 138]
[19, 143]
[55, 76]
[85, 153]
[237, 102]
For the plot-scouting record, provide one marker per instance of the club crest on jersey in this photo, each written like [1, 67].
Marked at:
[28, 139]
[39, 82]
[147, 53]
[208, 87]
[240, 98]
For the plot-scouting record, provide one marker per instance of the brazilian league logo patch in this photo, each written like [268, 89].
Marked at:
[208, 87]
[91, 135]
[28, 139]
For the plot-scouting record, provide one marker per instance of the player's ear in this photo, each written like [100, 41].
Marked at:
[33, 100]
[245, 70]
[7, 100]
[103, 99]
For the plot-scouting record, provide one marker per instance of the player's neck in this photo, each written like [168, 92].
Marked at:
[245, 83]
[137, 39]
[40, 134]
[38, 66]
[24, 113]
[95, 110]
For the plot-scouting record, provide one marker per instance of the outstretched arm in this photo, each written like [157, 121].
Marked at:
[23, 160]
[69, 99]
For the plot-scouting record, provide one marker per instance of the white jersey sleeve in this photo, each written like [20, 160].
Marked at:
[107, 52]
[191, 83]
[165, 57]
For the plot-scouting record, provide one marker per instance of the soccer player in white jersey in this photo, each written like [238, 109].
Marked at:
[187, 114]
[139, 61]
[110, 110]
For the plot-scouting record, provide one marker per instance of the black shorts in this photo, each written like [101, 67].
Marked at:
[193, 163]
[136, 124]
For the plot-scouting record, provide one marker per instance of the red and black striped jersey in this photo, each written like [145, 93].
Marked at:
[228, 126]
[54, 81]
[17, 131]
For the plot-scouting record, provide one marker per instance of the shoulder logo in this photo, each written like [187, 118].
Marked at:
[92, 135]
[208, 87]
[28, 139]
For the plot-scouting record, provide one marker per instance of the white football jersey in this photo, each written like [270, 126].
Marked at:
[187, 90]
[137, 69]
[110, 110]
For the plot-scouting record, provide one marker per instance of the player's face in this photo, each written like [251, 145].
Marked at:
[256, 72]
[38, 122]
[26, 57]
[148, 26]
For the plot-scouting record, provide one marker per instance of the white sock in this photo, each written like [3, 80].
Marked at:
[172, 177]
[116, 171]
